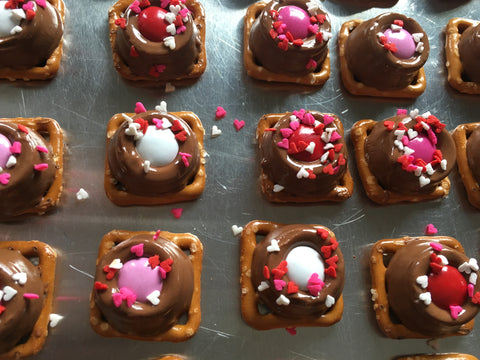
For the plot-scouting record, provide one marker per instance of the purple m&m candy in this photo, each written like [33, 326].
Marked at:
[296, 20]
[403, 41]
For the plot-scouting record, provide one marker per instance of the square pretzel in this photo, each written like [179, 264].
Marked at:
[47, 258]
[178, 332]
[249, 299]
[188, 193]
[51, 129]
[460, 135]
[373, 189]
[198, 15]
[340, 192]
[453, 32]
[259, 72]
[52, 64]
[449, 356]
[355, 87]
[381, 306]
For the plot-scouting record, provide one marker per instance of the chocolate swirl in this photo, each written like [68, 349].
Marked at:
[473, 153]
[20, 313]
[303, 305]
[26, 186]
[282, 167]
[143, 318]
[383, 155]
[149, 54]
[35, 43]
[127, 166]
[372, 64]
[469, 50]
[295, 59]
[407, 264]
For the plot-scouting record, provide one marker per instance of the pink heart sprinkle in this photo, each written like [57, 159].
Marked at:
[411, 167]
[431, 230]
[177, 212]
[436, 246]
[299, 114]
[158, 123]
[40, 167]
[42, 149]
[312, 64]
[315, 280]
[313, 28]
[286, 132]
[139, 108]
[16, 148]
[279, 284]
[117, 299]
[160, 68]
[28, 6]
[292, 331]
[282, 37]
[238, 124]
[181, 29]
[135, 6]
[41, 3]
[335, 136]
[308, 119]
[4, 178]
[401, 111]
[405, 140]
[184, 12]
[327, 119]
[294, 125]
[30, 296]
[470, 290]
[284, 144]
[314, 289]
[131, 298]
[455, 311]
[220, 113]
[163, 273]
[137, 249]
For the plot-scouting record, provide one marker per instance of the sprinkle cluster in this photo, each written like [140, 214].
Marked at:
[22, 9]
[397, 26]
[428, 124]
[7, 293]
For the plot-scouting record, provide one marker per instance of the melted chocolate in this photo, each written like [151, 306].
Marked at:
[149, 54]
[473, 153]
[35, 43]
[143, 318]
[282, 168]
[26, 186]
[20, 314]
[302, 303]
[126, 165]
[293, 61]
[374, 65]
[382, 156]
[407, 264]
[469, 50]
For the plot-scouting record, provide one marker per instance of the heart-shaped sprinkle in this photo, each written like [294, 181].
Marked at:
[16, 30]
[181, 136]
[28, 6]
[417, 37]
[216, 131]
[100, 286]
[414, 113]
[20, 278]
[220, 113]
[389, 124]
[137, 249]
[456, 311]
[8, 293]
[311, 65]
[279, 284]
[330, 271]
[302, 173]
[5, 178]
[470, 290]
[236, 230]
[473, 278]
[175, 9]
[162, 107]
[310, 148]
[16, 148]
[465, 267]
[329, 301]
[170, 17]
[314, 289]
[426, 297]
[294, 125]
[238, 124]
[423, 181]
[166, 124]
[291, 330]
[117, 299]
[323, 233]
[169, 42]
[412, 134]
[177, 212]
[116, 264]
[315, 280]
[476, 298]
[153, 297]
[278, 188]
[263, 286]
[422, 281]
[292, 288]
[472, 262]
[273, 247]
[431, 230]
[139, 108]
[282, 300]
[54, 319]
[286, 132]
[121, 22]
[332, 261]
[284, 144]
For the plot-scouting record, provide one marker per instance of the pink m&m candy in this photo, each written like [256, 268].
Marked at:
[403, 41]
[423, 148]
[296, 20]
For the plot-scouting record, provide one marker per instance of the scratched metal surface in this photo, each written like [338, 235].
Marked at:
[87, 92]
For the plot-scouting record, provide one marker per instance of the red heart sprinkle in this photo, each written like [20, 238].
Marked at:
[283, 45]
[166, 265]
[273, 34]
[30, 14]
[100, 286]
[332, 261]
[476, 298]
[266, 272]
[323, 233]
[181, 136]
[389, 124]
[154, 261]
[338, 147]
[330, 271]
[341, 160]
[110, 272]
[326, 250]
[298, 42]
[292, 288]
[176, 126]
[120, 22]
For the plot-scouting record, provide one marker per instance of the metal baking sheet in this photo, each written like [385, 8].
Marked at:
[88, 91]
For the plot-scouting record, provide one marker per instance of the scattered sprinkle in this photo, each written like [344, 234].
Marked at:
[220, 113]
[431, 230]
[238, 124]
[82, 194]
[54, 318]
[216, 131]
[177, 212]
[236, 230]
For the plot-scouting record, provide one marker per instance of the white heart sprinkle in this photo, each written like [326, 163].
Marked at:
[302, 173]
[216, 131]
[426, 114]
[55, 319]
[9, 293]
[444, 260]
[328, 146]
[395, 27]
[18, 14]
[175, 9]
[170, 17]
[278, 188]
[310, 148]
[423, 181]
[473, 264]
[473, 278]
[429, 169]
[418, 171]
[169, 42]
[443, 164]
[399, 134]
[326, 35]
[425, 125]
[408, 151]
[169, 87]
[422, 281]
[146, 166]
[329, 301]
[324, 157]
[237, 230]
[171, 29]
[426, 297]
[414, 113]
[273, 247]
[127, 118]
[412, 134]
[15, 30]
[420, 47]
[465, 267]
[166, 123]
[82, 194]
[398, 144]
[116, 264]
[11, 162]
[20, 278]
[153, 297]
[263, 286]
[161, 107]
[417, 37]
[282, 300]
[293, 118]
[132, 130]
